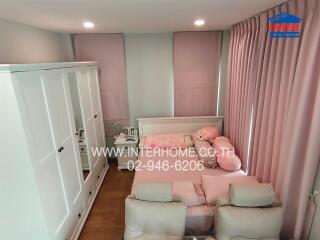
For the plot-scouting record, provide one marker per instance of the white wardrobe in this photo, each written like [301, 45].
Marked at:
[43, 191]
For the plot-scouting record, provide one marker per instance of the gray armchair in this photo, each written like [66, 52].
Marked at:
[250, 211]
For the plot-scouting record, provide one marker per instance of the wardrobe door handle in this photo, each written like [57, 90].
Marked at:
[60, 149]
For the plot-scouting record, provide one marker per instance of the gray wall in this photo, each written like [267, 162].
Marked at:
[315, 229]
[24, 44]
[149, 66]
[223, 72]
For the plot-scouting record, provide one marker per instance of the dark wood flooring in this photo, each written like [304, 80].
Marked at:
[106, 219]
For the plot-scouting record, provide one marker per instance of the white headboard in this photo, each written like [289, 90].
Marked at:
[185, 125]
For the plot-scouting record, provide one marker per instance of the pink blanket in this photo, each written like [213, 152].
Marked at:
[181, 169]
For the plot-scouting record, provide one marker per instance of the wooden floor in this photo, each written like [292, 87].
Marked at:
[106, 219]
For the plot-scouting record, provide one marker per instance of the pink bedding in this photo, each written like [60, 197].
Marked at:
[199, 218]
[173, 174]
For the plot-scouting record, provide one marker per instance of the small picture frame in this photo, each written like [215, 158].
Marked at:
[130, 132]
[126, 131]
[133, 132]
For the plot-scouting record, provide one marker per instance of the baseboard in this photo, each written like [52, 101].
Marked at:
[78, 230]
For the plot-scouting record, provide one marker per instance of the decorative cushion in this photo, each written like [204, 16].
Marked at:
[154, 220]
[205, 152]
[208, 134]
[217, 186]
[251, 194]
[188, 141]
[229, 163]
[188, 192]
[154, 191]
[238, 223]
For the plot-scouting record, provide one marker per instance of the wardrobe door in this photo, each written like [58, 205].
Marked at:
[34, 112]
[55, 89]
[96, 106]
[86, 106]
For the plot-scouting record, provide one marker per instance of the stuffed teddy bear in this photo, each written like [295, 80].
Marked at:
[207, 134]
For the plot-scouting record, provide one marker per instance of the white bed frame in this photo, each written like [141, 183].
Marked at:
[184, 125]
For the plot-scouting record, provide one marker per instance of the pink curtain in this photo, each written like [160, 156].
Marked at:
[196, 61]
[108, 51]
[239, 87]
[284, 122]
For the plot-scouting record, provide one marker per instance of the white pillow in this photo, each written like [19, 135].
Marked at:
[217, 186]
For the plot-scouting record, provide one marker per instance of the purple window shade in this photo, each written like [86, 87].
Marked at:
[108, 51]
[196, 72]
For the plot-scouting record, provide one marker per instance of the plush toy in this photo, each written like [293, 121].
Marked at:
[207, 134]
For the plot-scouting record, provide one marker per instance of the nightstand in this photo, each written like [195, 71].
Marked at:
[127, 152]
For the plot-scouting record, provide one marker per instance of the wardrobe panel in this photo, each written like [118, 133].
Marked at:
[69, 170]
[94, 90]
[52, 193]
[57, 105]
[98, 125]
[33, 108]
[84, 90]
[91, 142]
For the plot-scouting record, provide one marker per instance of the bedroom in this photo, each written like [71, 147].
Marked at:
[160, 119]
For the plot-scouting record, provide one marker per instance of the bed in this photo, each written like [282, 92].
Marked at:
[199, 220]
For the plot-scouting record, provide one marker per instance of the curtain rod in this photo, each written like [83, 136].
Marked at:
[279, 5]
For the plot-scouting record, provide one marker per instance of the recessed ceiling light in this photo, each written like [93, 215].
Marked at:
[199, 22]
[88, 24]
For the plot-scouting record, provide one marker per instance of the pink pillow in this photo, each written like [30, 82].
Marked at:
[221, 139]
[188, 192]
[217, 186]
[164, 141]
[224, 148]
[208, 134]
[229, 163]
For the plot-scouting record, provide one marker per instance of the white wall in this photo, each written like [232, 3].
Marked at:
[149, 66]
[24, 44]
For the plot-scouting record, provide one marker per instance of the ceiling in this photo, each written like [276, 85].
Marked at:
[131, 15]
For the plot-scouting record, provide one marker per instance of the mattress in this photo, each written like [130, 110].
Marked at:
[199, 220]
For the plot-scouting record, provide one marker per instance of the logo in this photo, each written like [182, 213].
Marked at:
[284, 25]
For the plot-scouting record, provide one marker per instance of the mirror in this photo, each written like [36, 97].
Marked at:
[80, 133]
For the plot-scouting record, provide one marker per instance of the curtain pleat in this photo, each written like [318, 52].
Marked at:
[273, 106]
